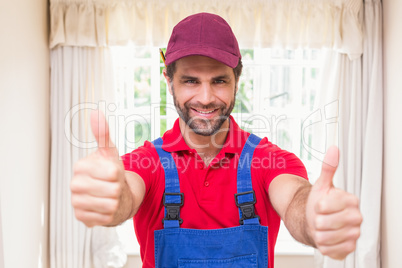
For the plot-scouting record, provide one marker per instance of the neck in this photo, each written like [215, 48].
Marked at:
[205, 145]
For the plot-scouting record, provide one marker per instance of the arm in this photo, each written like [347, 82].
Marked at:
[102, 192]
[288, 195]
[321, 215]
[136, 187]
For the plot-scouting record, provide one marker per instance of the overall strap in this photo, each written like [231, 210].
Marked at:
[245, 197]
[172, 198]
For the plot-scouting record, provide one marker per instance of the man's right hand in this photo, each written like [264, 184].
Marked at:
[98, 184]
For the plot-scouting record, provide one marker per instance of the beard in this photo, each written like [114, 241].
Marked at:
[203, 126]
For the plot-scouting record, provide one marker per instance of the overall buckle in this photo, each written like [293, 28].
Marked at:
[173, 209]
[247, 208]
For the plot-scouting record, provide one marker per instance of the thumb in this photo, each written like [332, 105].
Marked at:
[328, 168]
[100, 130]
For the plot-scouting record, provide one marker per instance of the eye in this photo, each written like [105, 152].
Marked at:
[190, 81]
[220, 81]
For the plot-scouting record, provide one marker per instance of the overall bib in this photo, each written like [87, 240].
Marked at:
[242, 246]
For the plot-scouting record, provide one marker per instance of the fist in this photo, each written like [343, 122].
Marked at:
[333, 215]
[98, 180]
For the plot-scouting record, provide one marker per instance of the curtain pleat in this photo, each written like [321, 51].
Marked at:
[256, 23]
[354, 90]
[79, 83]
[368, 247]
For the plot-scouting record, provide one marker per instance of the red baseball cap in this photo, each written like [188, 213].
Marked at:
[203, 34]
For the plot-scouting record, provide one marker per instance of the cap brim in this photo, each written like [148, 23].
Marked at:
[214, 53]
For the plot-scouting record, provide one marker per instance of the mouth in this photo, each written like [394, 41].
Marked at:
[205, 113]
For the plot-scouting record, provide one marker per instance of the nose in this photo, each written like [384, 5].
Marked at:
[206, 94]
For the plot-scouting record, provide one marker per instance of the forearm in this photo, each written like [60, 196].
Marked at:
[295, 217]
[321, 215]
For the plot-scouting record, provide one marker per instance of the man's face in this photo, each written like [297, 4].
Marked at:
[204, 92]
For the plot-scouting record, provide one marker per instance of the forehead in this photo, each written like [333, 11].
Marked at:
[201, 64]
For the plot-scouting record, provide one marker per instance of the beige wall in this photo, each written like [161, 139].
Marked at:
[24, 132]
[1, 243]
[392, 194]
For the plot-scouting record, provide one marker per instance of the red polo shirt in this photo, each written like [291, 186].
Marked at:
[208, 191]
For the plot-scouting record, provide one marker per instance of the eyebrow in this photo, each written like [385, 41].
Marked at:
[220, 77]
[187, 77]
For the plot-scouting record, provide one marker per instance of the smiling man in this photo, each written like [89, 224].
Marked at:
[209, 194]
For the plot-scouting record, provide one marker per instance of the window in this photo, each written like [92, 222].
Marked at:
[276, 94]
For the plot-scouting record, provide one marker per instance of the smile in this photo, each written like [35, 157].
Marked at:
[205, 112]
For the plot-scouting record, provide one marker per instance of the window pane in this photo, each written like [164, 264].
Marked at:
[142, 52]
[247, 54]
[142, 86]
[310, 84]
[142, 133]
[311, 54]
[287, 134]
[163, 90]
[279, 86]
[244, 96]
[277, 53]
[163, 127]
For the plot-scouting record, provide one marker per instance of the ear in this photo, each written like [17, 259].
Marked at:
[237, 85]
[168, 81]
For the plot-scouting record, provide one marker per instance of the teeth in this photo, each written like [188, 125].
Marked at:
[202, 112]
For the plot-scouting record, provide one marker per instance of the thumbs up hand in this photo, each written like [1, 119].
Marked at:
[98, 181]
[333, 215]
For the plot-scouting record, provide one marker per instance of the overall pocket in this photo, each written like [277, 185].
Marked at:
[235, 262]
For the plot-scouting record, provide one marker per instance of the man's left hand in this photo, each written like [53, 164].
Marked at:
[333, 215]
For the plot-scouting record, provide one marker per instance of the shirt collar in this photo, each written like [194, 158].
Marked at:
[173, 141]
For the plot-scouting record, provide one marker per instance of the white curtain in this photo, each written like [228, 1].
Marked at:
[352, 91]
[256, 23]
[80, 82]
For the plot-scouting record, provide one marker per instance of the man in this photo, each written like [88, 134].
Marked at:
[209, 194]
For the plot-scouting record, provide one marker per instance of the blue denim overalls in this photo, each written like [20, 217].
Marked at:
[242, 246]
